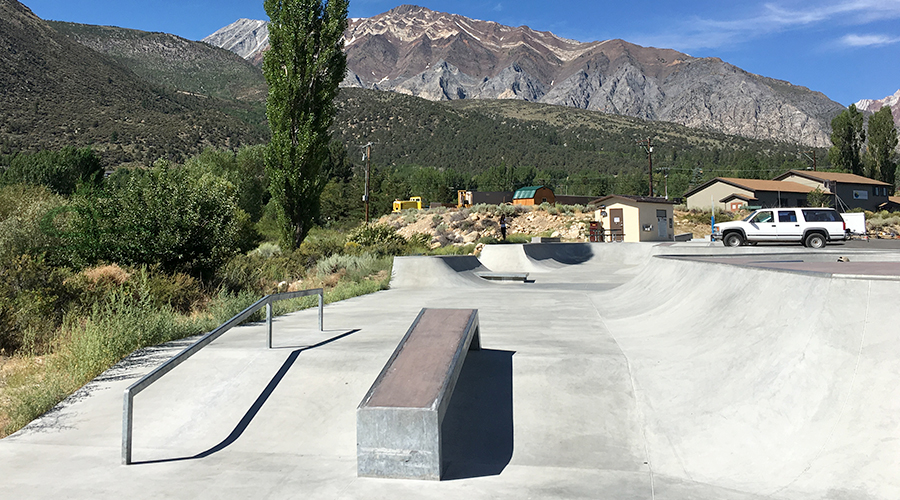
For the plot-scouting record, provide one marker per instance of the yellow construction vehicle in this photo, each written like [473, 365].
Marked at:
[413, 202]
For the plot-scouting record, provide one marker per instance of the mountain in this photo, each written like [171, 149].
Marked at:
[247, 38]
[56, 92]
[172, 62]
[438, 56]
[873, 105]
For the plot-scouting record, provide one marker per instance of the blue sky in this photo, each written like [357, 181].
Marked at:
[847, 49]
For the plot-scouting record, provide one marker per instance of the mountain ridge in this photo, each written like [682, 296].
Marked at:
[439, 56]
[56, 92]
[873, 105]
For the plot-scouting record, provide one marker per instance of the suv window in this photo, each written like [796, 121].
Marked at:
[787, 216]
[762, 217]
[813, 215]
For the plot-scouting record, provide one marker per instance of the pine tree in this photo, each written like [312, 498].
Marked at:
[303, 68]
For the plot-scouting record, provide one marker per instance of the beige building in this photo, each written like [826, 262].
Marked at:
[635, 218]
[730, 194]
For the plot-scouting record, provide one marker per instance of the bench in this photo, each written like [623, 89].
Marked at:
[398, 422]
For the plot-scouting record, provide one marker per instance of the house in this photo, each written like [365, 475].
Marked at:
[533, 195]
[635, 218]
[849, 190]
[726, 193]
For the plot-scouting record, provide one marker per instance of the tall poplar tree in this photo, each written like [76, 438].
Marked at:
[303, 68]
[848, 136]
[881, 154]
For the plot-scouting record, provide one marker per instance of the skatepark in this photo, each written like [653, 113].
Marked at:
[627, 371]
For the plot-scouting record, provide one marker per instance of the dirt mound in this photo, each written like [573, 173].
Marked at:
[451, 226]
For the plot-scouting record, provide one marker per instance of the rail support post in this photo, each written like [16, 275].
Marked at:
[269, 323]
[321, 310]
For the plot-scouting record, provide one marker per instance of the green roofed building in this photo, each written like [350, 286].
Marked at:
[533, 195]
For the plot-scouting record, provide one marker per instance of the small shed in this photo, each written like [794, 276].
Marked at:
[636, 218]
[533, 195]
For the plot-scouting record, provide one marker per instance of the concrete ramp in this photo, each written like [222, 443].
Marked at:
[773, 383]
[436, 271]
[548, 257]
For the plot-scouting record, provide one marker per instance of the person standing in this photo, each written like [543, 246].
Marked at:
[503, 227]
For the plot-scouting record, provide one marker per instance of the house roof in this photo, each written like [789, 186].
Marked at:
[738, 196]
[628, 197]
[839, 177]
[526, 192]
[754, 185]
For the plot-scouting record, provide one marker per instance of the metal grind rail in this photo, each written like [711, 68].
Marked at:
[136, 388]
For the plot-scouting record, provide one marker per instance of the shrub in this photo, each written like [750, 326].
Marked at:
[357, 265]
[372, 235]
[21, 210]
[60, 171]
[34, 298]
[267, 250]
[165, 217]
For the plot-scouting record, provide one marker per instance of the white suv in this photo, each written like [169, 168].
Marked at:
[812, 227]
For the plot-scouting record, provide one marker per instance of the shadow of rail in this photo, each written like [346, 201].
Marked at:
[256, 406]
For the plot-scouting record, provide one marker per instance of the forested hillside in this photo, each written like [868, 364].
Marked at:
[507, 144]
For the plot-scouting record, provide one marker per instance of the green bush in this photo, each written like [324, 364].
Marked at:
[60, 171]
[375, 235]
[166, 217]
[34, 298]
[21, 210]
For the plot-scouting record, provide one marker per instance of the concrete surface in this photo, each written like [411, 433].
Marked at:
[622, 376]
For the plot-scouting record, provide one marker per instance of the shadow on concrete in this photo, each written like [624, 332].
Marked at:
[256, 406]
[564, 253]
[477, 432]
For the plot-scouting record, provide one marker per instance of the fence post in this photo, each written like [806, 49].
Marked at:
[269, 322]
[127, 425]
[321, 310]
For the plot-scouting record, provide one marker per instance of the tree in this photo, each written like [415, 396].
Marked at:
[818, 198]
[881, 154]
[847, 135]
[303, 68]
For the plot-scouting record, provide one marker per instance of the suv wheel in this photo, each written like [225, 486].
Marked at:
[814, 240]
[733, 240]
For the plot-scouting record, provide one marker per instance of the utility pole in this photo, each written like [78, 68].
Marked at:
[367, 155]
[813, 158]
[648, 147]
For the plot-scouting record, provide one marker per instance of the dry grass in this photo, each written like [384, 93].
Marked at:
[13, 372]
[106, 275]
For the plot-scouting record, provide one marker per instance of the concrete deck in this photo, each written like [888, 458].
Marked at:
[614, 374]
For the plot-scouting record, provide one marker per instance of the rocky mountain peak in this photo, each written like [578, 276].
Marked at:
[440, 56]
[247, 38]
[873, 105]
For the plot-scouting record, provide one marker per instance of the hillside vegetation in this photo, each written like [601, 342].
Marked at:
[574, 151]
